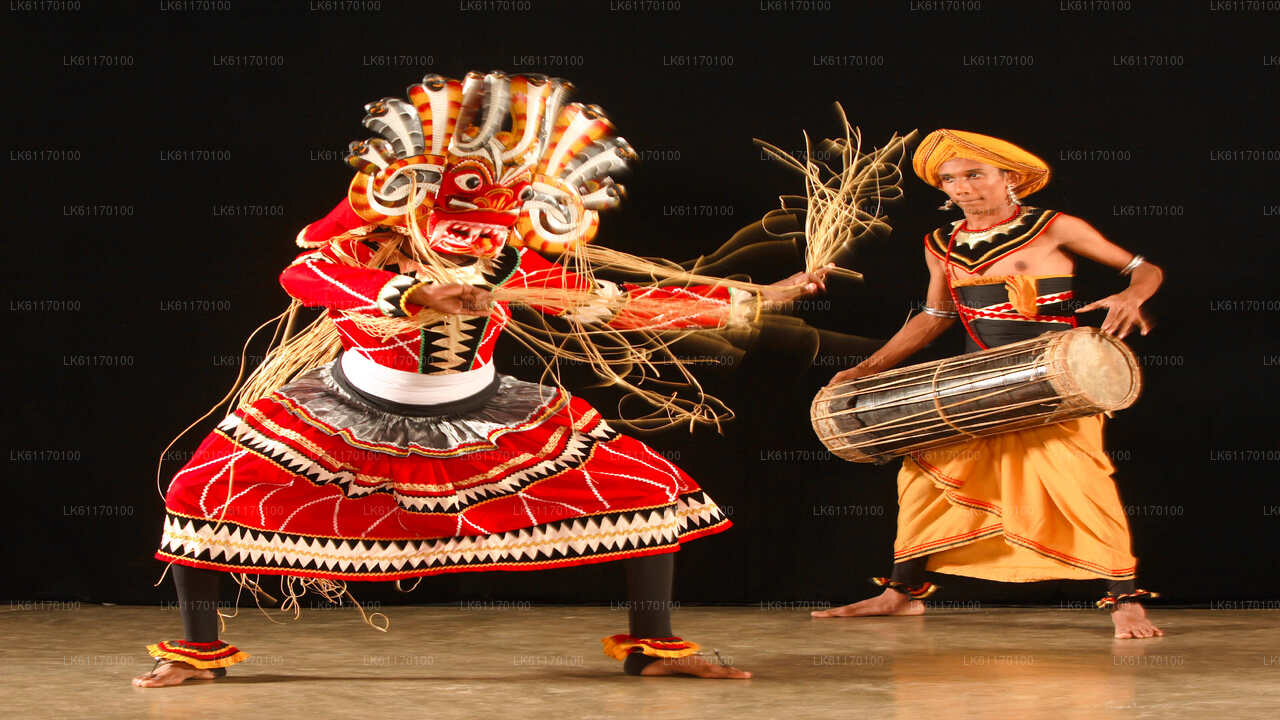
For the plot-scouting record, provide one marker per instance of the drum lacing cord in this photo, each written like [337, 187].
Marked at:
[937, 405]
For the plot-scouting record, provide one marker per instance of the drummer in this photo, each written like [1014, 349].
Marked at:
[1030, 505]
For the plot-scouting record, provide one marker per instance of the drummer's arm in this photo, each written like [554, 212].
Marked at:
[917, 333]
[1124, 308]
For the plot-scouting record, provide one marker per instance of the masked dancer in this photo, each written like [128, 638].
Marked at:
[380, 443]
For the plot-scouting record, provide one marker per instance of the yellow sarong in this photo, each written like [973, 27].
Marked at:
[1024, 506]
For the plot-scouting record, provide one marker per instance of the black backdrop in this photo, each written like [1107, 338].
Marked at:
[162, 157]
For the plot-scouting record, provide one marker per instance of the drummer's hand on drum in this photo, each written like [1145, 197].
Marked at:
[852, 373]
[799, 284]
[1124, 313]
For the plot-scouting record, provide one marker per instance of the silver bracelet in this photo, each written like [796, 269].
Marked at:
[1133, 264]
[946, 314]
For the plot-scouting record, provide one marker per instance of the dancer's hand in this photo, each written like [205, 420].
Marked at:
[454, 299]
[797, 285]
[1124, 313]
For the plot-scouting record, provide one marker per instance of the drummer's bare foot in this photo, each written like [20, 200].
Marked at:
[889, 602]
[695, 665]
[1131, 622]
[171, 672]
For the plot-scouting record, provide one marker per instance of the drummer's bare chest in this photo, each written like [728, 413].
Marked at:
[1043, 255]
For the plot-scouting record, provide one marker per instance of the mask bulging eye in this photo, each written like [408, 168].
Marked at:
[468, 181]
[526, 194]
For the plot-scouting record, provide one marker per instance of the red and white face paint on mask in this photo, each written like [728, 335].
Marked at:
[473, 213]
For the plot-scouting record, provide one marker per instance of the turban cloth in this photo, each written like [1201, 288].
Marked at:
[940, 146]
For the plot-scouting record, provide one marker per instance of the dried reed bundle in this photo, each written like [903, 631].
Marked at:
[842, 203]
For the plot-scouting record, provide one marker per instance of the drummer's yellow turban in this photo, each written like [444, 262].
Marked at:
[940, 146]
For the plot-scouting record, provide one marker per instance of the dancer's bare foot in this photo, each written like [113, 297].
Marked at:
[695, 665]
[1131, 622]
[171, 672]
[889, 602]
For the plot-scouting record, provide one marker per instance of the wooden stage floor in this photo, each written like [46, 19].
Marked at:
[478, 661]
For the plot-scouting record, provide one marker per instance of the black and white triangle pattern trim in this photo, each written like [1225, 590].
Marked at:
[391, 293]
[560, 542]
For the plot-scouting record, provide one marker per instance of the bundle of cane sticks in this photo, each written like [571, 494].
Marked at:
[845, 190]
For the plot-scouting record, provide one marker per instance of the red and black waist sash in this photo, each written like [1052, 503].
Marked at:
[1001, 310]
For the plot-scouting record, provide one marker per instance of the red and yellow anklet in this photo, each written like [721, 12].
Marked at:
[619, 647]
[202, 656]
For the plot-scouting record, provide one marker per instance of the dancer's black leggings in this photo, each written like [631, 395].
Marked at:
[911, 573]
[197, 601]
[649, 581]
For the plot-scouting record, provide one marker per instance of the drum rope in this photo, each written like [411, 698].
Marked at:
[974, 414]
[937, 404]
[979, 412]
[968, 378]
[957, 363]
[923, 416]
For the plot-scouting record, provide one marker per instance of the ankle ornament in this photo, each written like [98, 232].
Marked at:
[619, 647]
[202, 656]
[1111, 602]
[918, 592]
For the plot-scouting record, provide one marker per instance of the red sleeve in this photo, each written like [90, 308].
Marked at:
[319, 278]
[339, 220]
[654, 308]
[536, 271]
[676, 307]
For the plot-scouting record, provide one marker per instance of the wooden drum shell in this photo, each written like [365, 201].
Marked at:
[1047, 379]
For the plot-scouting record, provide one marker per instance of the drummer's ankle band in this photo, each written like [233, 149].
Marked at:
[916, 592]
[1111, 602]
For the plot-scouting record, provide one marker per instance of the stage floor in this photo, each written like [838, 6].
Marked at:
[478, 661]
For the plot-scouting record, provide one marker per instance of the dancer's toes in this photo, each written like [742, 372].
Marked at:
[1131, 622]
[696, 665]
[171, 672]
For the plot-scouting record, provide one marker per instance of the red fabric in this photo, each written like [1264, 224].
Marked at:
[696, 306]
[288, 473]
[339, 220]
[276, 490]
[318, 278]
[267, 495]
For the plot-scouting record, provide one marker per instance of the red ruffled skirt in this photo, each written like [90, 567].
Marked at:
[316, 480]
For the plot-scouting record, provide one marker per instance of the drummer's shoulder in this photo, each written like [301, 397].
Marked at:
[1065, 227]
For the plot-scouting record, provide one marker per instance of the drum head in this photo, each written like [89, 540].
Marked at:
[830, 430]
[1102, 368]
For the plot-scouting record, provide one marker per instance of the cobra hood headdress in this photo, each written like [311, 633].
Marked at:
[487, 161]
